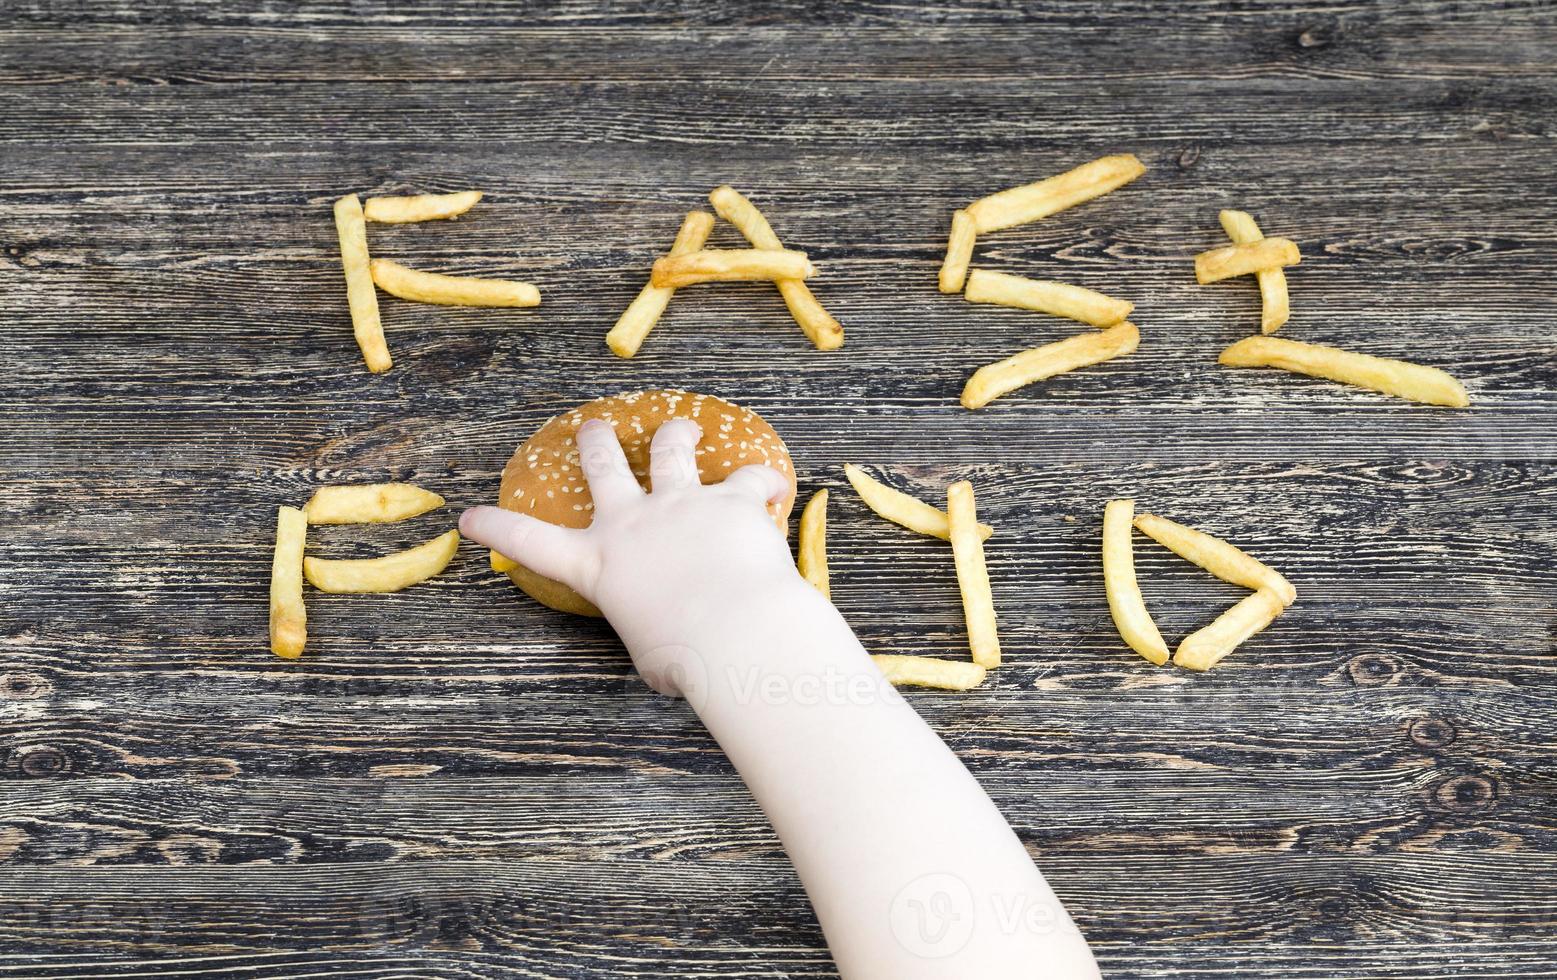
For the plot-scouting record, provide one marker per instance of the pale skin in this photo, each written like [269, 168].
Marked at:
[913, 872]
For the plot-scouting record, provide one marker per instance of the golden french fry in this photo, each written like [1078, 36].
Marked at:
[1219, 557]
[813, 543]
[959, 252]
[288, 619]
[501, 563]
[1275, 307]
[431, 287]
[824, 332]
[1202, 649]
[1402, 379]
[1057, 298]
[978, 602]
[730, 265]
[389, 573]
[1125, 601]
[419, 207]
[1002, 377]
[1030, 202]
[374, 503]
[360, 296]
[902, 509]
[644, 312]
[1242, 260]
[947, 675]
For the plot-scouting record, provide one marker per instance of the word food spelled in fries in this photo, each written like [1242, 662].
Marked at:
[1242, 260]
[288, 620]
[431, 287]
[644, 312]
[1071, 302]
[1402, 379]
[978, 602]
[378, 503]
[813, 543]
[1125, 602]
[947, 675]
[1019, 205]
[730, 265]
[1242, 229]
[902, 509]
[360, 297]
[818, 325]
[419, 207]
[389, 573]
[1203, 649]
[1002, 377]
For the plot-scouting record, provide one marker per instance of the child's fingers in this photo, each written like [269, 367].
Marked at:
[673, 455]
[556, 552]
[611, 480]
[764, 483]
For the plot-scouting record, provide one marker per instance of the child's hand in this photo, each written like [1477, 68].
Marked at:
[652, 561]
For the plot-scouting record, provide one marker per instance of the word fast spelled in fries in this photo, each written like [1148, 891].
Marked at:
[1057, 298]
[288, 619]
[730, 265]
[430, 287]
[389, 573]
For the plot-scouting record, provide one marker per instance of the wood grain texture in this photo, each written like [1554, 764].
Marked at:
[455, 782]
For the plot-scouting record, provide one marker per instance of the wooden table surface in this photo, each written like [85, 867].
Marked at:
[455, 782]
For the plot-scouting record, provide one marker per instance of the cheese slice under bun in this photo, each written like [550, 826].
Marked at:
[544, 479]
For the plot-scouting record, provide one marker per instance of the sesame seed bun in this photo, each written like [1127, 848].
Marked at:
[544, 480]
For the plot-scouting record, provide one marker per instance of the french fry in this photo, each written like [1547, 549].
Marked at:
[1242, 260]
[374, 503]
[501, 563]
[1202, 649]
[946, 675]
[1125, 602]
[1403, 379]
[431, 287]
[1275, 307]
[1057, 298]
[389, 573]
[978, 602]
[730, 265]
[419, 207]
[959, 252]
[360, 296]
[1002, 377]
[1220, 558]
[288, 619]
[645, 311]
[813, 543]
[902, 509]
[824, 332]
[1030, 202]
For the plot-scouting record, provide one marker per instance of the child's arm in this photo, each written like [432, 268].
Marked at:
[912, 870]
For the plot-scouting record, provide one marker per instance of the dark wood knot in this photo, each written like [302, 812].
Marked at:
[1314, 37]
[1466, 794]
[1432, 733]
[41, 761]
[22, 686]
[1189, 157]
[1373, 670]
